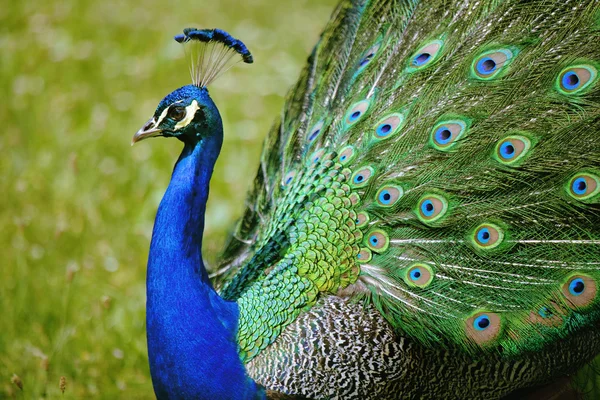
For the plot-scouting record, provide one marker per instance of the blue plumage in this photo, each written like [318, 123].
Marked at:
[191, 331]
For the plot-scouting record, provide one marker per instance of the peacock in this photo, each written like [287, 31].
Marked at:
[424, 222]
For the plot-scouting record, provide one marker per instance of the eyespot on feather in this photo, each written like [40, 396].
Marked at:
[362, 176]
[315, 131]
[362, 219]
[487, 236]
[445, 134]
[491, 63]
[356, 112]
[389, 195]
[425, 56]
[576, 79]
[548, 314]
[377, 240]
[512, 149]
[583, 186]
[388, 126]
[316, 157]
[346, 155]
[419, 275]
[579, 291]
[483, 327]
[289, 177]
[364, 256]
[431, 208]
[367, 57]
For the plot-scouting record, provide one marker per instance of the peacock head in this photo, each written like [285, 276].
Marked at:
[189, 113]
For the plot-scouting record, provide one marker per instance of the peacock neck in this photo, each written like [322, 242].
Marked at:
[191, 331]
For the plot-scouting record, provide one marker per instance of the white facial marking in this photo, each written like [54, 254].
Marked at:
[162, 116]
[190, 112]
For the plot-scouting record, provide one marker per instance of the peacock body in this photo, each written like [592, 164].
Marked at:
[424, 223]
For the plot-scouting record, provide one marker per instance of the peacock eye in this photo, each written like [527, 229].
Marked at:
[580, 291]
[431, 208]
[584, 186]
[176, 113]
[425, 55]
[378, 241]
[482, 322]
[512, 149]
[419, 275]
[491, 63]
[445, 134]
[388, 126]
[576, 78]
[483, 327]
[487, 236]
[388, 196]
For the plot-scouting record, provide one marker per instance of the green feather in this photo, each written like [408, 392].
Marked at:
[469, 113]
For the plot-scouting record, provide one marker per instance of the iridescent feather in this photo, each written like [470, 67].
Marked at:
[479, 123]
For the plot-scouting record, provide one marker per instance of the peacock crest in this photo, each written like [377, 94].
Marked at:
[211, 52]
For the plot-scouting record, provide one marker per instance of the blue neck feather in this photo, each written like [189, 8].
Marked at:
[191, 331]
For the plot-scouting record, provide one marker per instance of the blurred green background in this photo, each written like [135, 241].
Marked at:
[77, 203]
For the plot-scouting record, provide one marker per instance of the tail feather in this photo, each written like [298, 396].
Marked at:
[460, 139]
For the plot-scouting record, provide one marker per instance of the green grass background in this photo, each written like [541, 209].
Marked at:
[77, 203]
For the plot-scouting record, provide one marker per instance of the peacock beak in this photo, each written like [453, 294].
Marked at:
[147, 131]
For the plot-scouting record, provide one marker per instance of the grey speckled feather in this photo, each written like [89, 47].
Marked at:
[344, 350]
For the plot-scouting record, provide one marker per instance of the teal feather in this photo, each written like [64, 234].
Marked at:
[435, 174]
